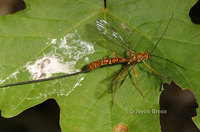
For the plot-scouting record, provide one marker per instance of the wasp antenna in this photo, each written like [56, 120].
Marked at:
[169, 61]
[163, 33]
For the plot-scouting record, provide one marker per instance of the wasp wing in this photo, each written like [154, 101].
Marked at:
[111, 33]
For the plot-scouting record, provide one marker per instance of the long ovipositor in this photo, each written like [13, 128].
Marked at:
[103, 62]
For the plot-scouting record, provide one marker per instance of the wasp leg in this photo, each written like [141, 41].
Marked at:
[154, 70]
[125, 78]
[114, 55]
[117, 82]
[135, 73]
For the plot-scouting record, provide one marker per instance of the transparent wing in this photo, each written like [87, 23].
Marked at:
[111, 33]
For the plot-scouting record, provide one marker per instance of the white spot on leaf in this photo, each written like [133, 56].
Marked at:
[48, 65]
[65, 53]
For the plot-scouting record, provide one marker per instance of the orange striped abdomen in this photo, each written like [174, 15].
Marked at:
[104, 62]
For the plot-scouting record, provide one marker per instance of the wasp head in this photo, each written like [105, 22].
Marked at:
[147, 56]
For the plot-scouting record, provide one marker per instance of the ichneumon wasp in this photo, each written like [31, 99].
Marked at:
[110, 32]
[134, 57]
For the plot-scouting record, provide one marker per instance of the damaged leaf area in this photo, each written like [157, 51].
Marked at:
[52, 38]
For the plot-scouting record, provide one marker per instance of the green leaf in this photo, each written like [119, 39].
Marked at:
[64, 34]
